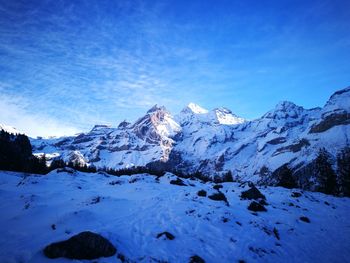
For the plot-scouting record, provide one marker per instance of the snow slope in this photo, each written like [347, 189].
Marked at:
[131, 211]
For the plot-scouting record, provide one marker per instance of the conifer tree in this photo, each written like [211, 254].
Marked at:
[343, 163]
[325, 173]
[285, 177]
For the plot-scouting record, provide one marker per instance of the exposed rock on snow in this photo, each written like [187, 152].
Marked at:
[296, 194]
[305, 219]
[252, 193]
[202, 193]
[217, 186]
[85, 245]
[167, 235]
[196, 259]
[256, 207]
[331, 121]
[219, 196]
[178, 181]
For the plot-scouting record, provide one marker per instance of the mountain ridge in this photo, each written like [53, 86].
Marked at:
[213, 142]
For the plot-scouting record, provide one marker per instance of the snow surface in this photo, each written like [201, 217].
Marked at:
[132, 210]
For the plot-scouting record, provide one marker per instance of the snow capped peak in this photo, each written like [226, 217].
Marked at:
[156, 108]
[195, 115]
[9, 129]
[223, 110]
[342, 93]
[194, 108]
[100, 126]
[285, 105]
[157, 122]
[285, 110]
[339, 101]
[225, 116]
[124, 124]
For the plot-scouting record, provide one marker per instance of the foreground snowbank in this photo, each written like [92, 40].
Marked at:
[131, 211]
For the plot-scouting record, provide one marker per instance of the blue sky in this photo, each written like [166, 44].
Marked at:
[67, 65]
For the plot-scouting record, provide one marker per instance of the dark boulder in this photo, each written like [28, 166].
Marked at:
[178, 181]
[217, 186]
[296, 194]
[85, 245]
[252, 193]
[202, 193]
[196, 259]
[276, 233]
[305, 219]
[263, 202]
[256, 207]
[167, 235]
[218, 197]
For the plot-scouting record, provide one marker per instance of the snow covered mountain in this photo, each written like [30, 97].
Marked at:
[127, 145]
[213, 142]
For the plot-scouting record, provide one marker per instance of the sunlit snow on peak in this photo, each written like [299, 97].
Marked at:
[225, 116]
[196, 108]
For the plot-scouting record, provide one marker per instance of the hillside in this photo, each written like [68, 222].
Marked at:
[132, 211]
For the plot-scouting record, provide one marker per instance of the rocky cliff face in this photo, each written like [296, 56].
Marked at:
[213, 142]
[147, 140]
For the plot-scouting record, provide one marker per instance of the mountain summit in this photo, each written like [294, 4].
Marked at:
[194, 108]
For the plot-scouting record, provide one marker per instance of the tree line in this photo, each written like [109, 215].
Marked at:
[59, 163]
[329, 180]
[16, 155]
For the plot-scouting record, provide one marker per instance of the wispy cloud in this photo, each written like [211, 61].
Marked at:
[86, 62]
[14, 112]
[84, 71]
